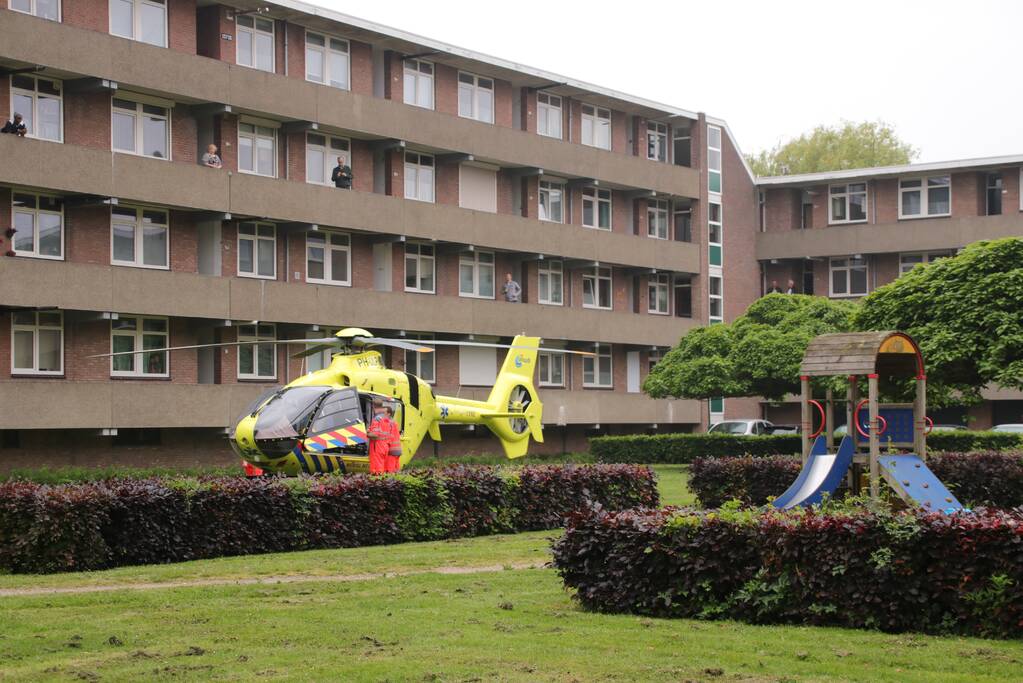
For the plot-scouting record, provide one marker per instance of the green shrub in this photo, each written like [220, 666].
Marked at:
[684, 448]
[964, 441]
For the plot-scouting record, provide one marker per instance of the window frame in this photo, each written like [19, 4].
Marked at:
[254, 31]
[255, 136]
[717, 296]
[35, 212]
[546, 379]
[548, 188]
[595, 275]
[846, 196]
[328, 249]
[35, 96]
[322, 332]
[33, 10]
[594, 195]
[137, 345]
[475, 89]
[419, 75]
[658, 208]
[655, 284]
[330, 153]
[472, 258]
[926, 257]
[139, 114]
[419, 259]
[136, 21]
[325, 50]
[419, 357]
[594, 118]
[595, 360]
[925, 191]
[139, 226]
[848, 268]
[257, 336]
[35, 328]
[657, 130]
[256, 238]
[418, 166]
[544, 112]
[713, 168]
[546, 267]
[996, 187]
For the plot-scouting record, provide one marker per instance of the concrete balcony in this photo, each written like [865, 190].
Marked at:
[69, 51]
[907, 235]
[58, 404]
[76, 169]
[87, 287]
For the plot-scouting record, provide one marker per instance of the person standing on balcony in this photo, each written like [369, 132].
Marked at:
[512, 290]
[16, 126]
[211, 158]
[791, 289]
[774, 289]
[341, 176]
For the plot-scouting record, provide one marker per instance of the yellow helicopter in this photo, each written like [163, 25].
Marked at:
[317, 423]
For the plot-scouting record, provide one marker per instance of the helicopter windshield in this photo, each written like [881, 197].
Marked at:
[287, 414]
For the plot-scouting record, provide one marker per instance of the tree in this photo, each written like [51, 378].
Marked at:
[849, 145]
[757, 355]
[965, 313]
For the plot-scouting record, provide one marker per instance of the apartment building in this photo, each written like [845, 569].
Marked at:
[627, 222]
[842, 234]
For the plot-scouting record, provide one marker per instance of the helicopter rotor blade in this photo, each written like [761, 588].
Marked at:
[313, 350]
[396, 343]
[210, 346]
[434, 342]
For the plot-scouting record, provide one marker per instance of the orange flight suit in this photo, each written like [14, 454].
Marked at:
[393, 448]
[379, 443]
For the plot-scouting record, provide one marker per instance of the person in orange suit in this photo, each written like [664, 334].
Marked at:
[394, 444]
[379, 433]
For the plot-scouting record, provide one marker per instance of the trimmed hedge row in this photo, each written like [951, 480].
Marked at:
[685, 448]
[97, 525]
[992, 478]
[906, 572]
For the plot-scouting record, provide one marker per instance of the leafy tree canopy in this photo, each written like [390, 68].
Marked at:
[756, 355]
[966, 313]
[833, 148]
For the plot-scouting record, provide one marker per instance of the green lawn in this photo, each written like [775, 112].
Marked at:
[673, 484]
[512, 625]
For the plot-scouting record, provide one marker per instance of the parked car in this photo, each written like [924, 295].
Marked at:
[1018, 428]
[752, 427]
[949, 428]
[786, 429]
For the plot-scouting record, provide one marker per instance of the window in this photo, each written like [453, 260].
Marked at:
[848, 203]
[657, 141]
[418, 176]
[714, 158]
[139, 237]
[597, 368]
[138, 128]
[255, 39]
[907, 261]
[849, 276]
[321, 360]
[418, 90]
[422, 365]
[683, 219]
[328, 258]
[597, 288]
[138, 333]
[256, 361]
[596, 127]
[141, 20]
[552, 369]
[39, 225]
[683, 286]
[657, 218]
[420, 268]
[552, 201]
[39, 102]
[476, 274]
[475, 97]
[548, 115]
[994, 194]
[326, 60]
[37, 343]
[657, 289]
[653, 358]
[714, 233]
[596, 208]
[682, 146]
[717, 296]
[321, 153]
[919, 197]
[551, 285]
[257, 250]
[257, 149]
[45, 9]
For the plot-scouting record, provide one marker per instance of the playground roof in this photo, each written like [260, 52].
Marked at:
[862, 353]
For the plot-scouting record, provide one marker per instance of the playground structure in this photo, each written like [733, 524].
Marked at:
[904, 425]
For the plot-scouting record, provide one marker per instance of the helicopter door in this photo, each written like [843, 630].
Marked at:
[339, 423]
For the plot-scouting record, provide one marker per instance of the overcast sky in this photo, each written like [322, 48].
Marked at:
[947, 75]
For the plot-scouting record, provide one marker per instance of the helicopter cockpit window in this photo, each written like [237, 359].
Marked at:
[252, 407]
[340, 409]
[288, 413]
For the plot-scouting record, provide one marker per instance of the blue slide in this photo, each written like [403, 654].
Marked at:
[914, 482]
[822, 473]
